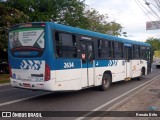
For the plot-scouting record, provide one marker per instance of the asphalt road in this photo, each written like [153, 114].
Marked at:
[14, 99]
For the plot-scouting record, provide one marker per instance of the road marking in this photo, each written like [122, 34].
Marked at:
[22, 99]
[7, 89]
[96, 109]
[113, 100]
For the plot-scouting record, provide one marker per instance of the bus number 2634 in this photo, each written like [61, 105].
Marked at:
[68, 65]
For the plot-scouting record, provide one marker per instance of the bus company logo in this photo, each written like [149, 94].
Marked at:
[21, 114]
[112, 62]
[6, 114]
[31, 64]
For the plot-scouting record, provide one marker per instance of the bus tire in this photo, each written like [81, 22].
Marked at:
[157, 66]
[141, 76]
[106, 82]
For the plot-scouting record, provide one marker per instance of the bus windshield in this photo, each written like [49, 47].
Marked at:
[23, 40]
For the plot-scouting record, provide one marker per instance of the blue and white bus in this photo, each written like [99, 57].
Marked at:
[54, 57]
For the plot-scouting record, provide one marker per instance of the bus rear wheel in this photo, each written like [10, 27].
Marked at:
[106, 82]
[141, 76]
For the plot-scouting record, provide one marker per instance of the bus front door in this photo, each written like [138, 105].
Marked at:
[128, 57]
[87, 55]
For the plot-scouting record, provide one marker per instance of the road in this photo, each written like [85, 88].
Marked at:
[14, 99]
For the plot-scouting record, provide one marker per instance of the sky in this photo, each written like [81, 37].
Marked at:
[129, 15]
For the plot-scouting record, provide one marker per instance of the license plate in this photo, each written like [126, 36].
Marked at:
[26, 85]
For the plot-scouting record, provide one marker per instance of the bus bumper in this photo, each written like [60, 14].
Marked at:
[46, 85]
[50, 85]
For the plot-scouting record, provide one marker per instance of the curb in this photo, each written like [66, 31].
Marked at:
[4, 84]
[126, 99]
[123, 99]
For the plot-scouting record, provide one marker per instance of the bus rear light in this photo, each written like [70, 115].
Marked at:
[43, 24]
[10, 71]
[47, 73]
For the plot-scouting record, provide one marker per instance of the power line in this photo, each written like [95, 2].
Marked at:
[156, 6]
[143, 9]
[153, 11]
[157, 3]
[148, 3]
[147, 9]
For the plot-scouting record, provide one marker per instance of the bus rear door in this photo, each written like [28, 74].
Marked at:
[128, 57]
[87, 54]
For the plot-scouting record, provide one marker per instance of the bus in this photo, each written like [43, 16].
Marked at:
[55, 57]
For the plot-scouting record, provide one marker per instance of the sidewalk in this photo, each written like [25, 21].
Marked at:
[4, 84]
[147, 99]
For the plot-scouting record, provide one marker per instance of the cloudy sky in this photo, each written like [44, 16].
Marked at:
[129, 15]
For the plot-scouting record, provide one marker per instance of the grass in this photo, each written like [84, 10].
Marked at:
[4, 78]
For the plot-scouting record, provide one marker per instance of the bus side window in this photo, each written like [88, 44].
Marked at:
[103, 50]
[113, 49]
[121, 49]
[58, 45]
[142, 52]
[110, 49]
[66, 45]
[145, 53]
[118, 49]
[136, 51]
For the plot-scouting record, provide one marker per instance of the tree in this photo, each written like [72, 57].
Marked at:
[9, 17]
[98, 23]
[20, 11]
[154, 42]
[69, 12]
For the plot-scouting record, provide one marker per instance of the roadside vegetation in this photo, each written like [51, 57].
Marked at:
[4, 78]
[69, 12]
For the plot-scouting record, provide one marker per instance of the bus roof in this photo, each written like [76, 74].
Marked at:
[96, 34]
[92, 34]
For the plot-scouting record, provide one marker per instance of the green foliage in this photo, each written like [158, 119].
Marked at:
[8, 17]
[4, 78]
[154, 42]
[98, 22]
[68, 12]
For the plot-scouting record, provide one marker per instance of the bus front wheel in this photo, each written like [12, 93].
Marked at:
[106, 82]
